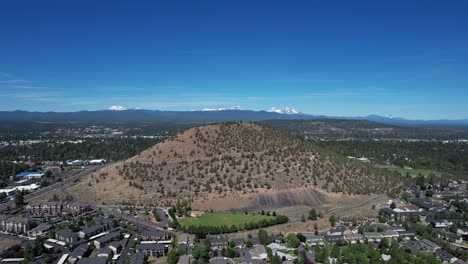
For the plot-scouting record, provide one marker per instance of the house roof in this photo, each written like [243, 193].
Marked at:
[154, 233]
[354, 236]
[444, 255]
[20, 220]
[137, 258]
[105, 250]
[92, 229]
[92, 260]
[150, 246]
[258, 251]
[238, 242]
[80, 250]
[108, 237]
[64, 233]
[372, 235]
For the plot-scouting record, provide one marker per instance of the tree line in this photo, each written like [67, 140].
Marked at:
[201, 231]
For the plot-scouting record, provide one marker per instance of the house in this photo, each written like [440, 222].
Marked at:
[334, 238]
[442, 223]
[462, 231]
[115, 246]
[406, 234]
[398, 227]
[154, 235]
[372, 237]
[90, 231]
[238, 242]
[76, 208]
[336, 231]
[411, 247]
[152, 249]
[66, 236]
[284, 255]
[105, 252]
[51, 208]
[390, 234]
[106, 222]
[258, 252]
[275, 247]
[445, 256]
[34, 208]
[10, 193]
[426, 245]
[355, 238]
[17, 225]
[30, 174]
[218, 243]
[97, 161]
[139, 258]
[92, 260]
[439, 233]
[39, 230]
[104, 240]
[313, 239]
[81, 251]
[221, 260]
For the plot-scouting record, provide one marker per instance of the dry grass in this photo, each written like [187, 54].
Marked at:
[357, 206]
[6, 243]
[240, 166]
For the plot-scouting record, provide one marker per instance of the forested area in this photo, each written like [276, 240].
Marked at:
[109, 148]
[442, 157]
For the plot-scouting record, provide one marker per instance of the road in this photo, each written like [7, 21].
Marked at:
[56, 185]
[139, 221]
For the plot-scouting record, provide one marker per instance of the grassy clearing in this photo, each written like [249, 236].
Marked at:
[223, 219]
[415, 171]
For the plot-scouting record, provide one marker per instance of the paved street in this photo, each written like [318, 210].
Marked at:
[57, 185]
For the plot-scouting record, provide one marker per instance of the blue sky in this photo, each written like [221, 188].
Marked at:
[344, 58]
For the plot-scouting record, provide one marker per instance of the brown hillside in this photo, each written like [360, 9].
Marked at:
[234, 165]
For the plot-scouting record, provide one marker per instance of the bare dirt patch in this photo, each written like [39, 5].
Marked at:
[6, 243]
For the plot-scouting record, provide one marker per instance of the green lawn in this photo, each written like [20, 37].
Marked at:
[414, 171]
[220, 219]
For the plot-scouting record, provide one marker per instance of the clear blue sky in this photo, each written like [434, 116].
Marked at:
[347, 58]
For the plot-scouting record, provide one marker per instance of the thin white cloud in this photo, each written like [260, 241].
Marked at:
[23, 87]
[13, 81]
[5, 75]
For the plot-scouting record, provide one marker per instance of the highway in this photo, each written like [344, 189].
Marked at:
[56, 185]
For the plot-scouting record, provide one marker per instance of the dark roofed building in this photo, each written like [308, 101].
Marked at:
[152, 249]
[445, 256]
[81, 251]
[155, 235]
[90, 231]
[92, 260]
[66, 236]
[104, 240]
[137, 258]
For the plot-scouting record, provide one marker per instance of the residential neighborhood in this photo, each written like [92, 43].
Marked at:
[413, 226]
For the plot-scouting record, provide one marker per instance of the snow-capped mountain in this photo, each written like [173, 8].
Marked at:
[224, 108]
[287, 110]
[117, 108]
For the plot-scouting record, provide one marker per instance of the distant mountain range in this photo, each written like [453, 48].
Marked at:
[118, 113]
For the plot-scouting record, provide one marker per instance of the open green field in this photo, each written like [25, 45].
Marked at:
[226, 219]
[415, 171]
